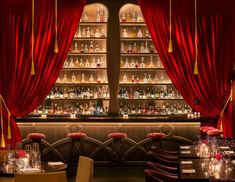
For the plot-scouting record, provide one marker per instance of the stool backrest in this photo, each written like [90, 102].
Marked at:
[85, 169]
[59, 176]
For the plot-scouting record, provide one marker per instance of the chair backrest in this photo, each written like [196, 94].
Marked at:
[158, 176]
[161, 167]
[3, 153]
[59, 176]
[85, 169]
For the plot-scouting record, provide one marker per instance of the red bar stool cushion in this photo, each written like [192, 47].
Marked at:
[156, 135]
[214, 132]
[37, 136]
[117, 135]
[77, 135]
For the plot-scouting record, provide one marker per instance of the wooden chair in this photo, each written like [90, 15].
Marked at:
[59, 176]
[85, 169]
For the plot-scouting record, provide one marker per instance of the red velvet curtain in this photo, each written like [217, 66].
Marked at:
[216, 49]
[21, 91]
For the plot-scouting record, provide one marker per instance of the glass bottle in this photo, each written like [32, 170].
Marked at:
[126, 65]
[87, 63]
[152, 49]
[145, 80]
[155, 79]
[129, 50]
[79, 31]
[146, 49]
[151, 65]
[98, 14]
[124, 33]
[133, 19]
[122, 48]
[102, 64]
[123, 18]
[81, 65]
[136, 64]
[88, 33]
[66, 64]
[139, 34]
[98, 64]
[102, 34]
[128, 17]
[139, 17]
[93, 64]
[134, 48]
[73, 78]
[76, 64]
[65, 80]
[132, 63]
[91, 47]
[124, 78]
[97, 49]
[102, 15]
[91, 79]
[85, 18]
[149, 78]
[97, 34]
[142, 64]
[162, 77]
[92, 33]
[82, 48]
[147, 35]
[83, 32]
[133, 78]
[99, 79]
[142, 47]
[71, 64]
[83, 78]
[75, 47]
[86, 50]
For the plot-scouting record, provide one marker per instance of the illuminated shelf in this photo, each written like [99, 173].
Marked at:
[139, 54]
[75, 84]
[92, 23]
[159, 99]
[143, 84]
[141, 69]
[88, 38]
[75, 98]
[86, 54]
[74, 69]
[132, 24]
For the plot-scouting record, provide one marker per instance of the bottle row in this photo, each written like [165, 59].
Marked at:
[136, 63]
[144, 79]
[134, 16]
[138, 48]
[151, 109]
[87, 32]
[82, 78]
[76, 109]
[85, 48]
[99, 92]
[127, 33]
[159, 92]
[101, 16]
[97, 62]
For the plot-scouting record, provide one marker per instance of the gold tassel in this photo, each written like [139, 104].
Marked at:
[170, 48]
[195, 41]
[3, 145]
[56, 50]
[32, 65]
[221, 128]
[9, 127]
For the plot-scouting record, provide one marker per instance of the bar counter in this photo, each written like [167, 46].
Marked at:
[178, 130]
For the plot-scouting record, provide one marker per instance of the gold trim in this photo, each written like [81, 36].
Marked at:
[195, 41]
[32, 36]
[56, 50]
[170, 48]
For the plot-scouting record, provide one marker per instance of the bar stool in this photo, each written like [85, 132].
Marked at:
[37, 138]
[76, 147]
[116, 146]
[156, 138]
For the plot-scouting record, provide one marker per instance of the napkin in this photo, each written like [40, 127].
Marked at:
[229, 152]
[186, 162]
[188, 171]
[55, 163]
[185, 147]
[31, 170]
[186, 152]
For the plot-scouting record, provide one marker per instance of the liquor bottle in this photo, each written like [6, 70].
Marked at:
[149, 78]
[145, 80]
[65, 80]
[103, 48]
[73, 78]
[86, 50]
[158, 62]
[83, 32]
[87, 63]
[102, 15]
[82, 48]
[146, 49]
[128, 17]
[75, 47]
[122, 48]
[151, 65]
[98, 64]
[142, 48]
[133, 78]
[129, 50]
[134, 48]
[97, 49]
[98, 14]
[79, 32]
[137, 79]
[102, 64]
[162, 77]
[93, 64]
[139, 17]
[124, 78]
[124, 33]
[155, 79]
[123, 18]
[76, 64]
[136, 64]
[66, 64]
[142, 64]
[66, 94]
[99, 79]
[139, 34]
[83, 78]
[91, 79]
[91, 47]
[85, 18]
[88, 33]
[97, 34]
[92, 33]
[133, 19]
[71, 64]
[81, 65]
[132, 63]
[102, 34]
[147, 35]
[152, 49]
[126, 65]
[56, 93]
